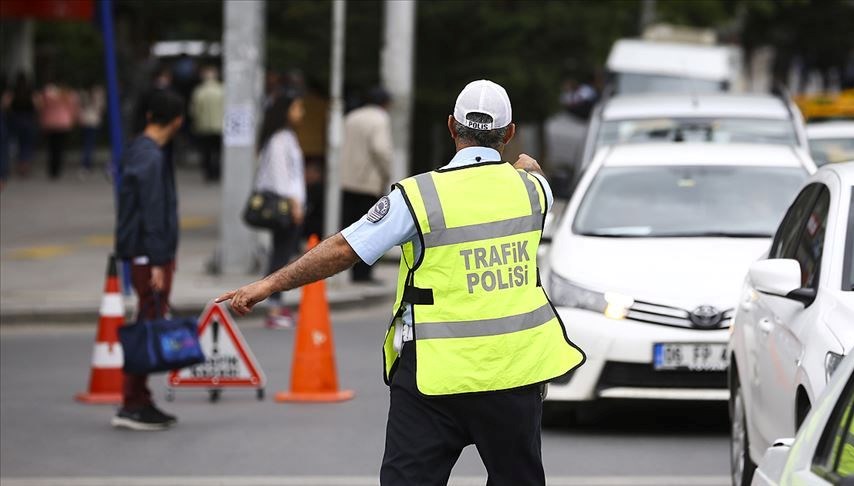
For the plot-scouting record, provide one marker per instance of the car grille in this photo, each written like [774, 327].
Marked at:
[643, 375]
[671, 316]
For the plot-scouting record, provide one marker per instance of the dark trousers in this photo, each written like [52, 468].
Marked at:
[88, 134]
[425, 435]
[283, 247]
[136, 392]
[354, 205]
[210, 146]
[56, 152]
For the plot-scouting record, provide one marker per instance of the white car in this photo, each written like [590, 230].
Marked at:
[708, 117]
[647, 260]
[795, 319]
[823, 452]
[831, 141]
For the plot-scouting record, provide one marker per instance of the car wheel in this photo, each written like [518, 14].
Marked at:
[741, 466]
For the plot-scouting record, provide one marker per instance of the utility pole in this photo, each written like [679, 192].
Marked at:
[647, 16]
[397, 60]
[243, 50]
[18, 47]
[332, 216]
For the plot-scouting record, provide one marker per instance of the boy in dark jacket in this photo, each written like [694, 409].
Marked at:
[147, 235]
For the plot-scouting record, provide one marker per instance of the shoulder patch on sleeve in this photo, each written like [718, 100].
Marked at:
[379, 210]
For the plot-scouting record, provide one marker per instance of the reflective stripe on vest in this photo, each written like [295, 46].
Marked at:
[488, 326]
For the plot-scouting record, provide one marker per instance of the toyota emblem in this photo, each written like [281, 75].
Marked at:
[706, 316]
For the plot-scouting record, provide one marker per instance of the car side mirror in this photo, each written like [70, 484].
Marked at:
[780, 277]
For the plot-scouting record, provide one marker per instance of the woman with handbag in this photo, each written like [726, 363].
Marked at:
[281, 179]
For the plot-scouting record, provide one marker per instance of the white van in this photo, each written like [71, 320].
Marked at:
[644, 66]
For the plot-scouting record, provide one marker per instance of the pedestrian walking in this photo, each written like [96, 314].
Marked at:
[23, 121]
[147, 235]
[473, 337]
[365, 165]
[58, 107]
[282, 171]
[206, 108]
[92, 103]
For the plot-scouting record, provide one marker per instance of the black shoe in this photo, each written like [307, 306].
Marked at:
[156, 412]
[140, 419]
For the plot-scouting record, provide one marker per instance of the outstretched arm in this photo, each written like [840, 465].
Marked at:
[331, 256]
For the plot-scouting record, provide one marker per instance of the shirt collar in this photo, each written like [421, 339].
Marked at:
[473, 155]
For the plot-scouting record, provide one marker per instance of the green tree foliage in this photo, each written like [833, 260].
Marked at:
[529, 46]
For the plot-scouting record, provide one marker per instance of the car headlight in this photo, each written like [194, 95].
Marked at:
[831, 362]
[567, 294]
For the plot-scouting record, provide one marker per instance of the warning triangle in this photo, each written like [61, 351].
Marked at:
[229, 361]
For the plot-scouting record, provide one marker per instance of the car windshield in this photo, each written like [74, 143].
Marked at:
[651, 83]
[724, 130]
[831, 150]
[687, 201]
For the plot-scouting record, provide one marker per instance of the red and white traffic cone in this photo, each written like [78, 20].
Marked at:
[105, 382]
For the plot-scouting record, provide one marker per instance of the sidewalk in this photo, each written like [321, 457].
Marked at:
[55, 238]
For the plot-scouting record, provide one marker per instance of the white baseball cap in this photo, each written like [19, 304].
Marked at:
[483, 96]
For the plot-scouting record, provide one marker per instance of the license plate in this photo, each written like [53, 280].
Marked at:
[690, 356]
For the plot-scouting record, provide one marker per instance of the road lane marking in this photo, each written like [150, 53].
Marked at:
[47, 252]
[196, 222]
[354, 481]
[43, 252]
[100, 240]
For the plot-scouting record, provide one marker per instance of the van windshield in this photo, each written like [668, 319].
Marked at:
[722, 130]
[652, 83]
[687, 201]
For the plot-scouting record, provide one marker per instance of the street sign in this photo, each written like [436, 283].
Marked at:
[229, 361]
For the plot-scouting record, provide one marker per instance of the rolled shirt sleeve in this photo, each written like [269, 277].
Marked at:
[372, 238]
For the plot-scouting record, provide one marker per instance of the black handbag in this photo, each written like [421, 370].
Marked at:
[268, 210]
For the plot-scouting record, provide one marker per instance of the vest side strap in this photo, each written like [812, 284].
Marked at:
[415, 295]
[484, 327]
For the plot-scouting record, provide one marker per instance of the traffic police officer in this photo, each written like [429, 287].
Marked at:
[473, 337]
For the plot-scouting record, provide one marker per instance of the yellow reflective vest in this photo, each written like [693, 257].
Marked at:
[482, 322]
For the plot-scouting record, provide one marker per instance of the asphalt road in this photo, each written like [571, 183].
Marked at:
[46, 436]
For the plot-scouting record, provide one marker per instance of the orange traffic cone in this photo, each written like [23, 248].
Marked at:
[105, 382]
[313, 377]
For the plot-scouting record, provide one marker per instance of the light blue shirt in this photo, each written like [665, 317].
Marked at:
[371, 240]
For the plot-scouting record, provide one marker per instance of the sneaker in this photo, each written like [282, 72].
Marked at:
[156, 412]
[280, 319]
[140, 419]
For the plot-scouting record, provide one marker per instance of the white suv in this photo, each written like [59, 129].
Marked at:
[646, 263]
[708, 117]
[795, 319]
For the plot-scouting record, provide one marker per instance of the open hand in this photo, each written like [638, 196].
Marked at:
[244, 298]
[158, 278]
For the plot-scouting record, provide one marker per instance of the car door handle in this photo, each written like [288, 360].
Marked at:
[765, 325]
